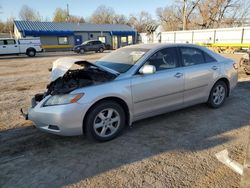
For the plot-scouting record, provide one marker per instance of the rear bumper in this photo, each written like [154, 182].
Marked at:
[66, 120]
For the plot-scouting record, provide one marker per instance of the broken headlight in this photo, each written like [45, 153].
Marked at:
[62, 99]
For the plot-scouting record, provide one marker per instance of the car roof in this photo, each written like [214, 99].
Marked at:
[156, 46]
[160, 45]
[92, 40]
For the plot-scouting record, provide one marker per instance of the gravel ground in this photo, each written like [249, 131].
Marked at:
[171, 150]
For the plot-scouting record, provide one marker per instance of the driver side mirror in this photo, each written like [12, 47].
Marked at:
[147, 69]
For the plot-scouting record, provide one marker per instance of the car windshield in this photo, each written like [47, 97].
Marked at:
[122, 59]
[86, 42]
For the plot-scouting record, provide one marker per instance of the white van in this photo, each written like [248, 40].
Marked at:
[28, 46]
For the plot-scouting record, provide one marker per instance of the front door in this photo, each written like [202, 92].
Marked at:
[11, 46]
[161, 91]
[78, 40]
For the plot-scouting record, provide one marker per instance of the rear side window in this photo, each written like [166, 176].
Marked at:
[192, 56]
[1, 42]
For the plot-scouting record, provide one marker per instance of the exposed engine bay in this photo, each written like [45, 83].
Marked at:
[83, 73]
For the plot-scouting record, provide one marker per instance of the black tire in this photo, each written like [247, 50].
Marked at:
[31, 52]
[82, 51]
[101, 49]
[212, 99]
[92, 116]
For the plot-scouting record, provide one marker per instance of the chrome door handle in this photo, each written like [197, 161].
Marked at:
[178, 75]
[214, 67]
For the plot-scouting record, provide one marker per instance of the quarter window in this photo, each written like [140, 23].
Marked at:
[164, 59]
[208, 58]
[192, 56]
[63, 40]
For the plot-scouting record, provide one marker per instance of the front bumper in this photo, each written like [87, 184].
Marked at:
[76, 50]
[66, 120]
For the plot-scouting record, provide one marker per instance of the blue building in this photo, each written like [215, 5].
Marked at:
[62, 35]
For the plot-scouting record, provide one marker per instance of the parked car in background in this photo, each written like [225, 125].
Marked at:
[135, 82]
[90, 45]
[28, 46]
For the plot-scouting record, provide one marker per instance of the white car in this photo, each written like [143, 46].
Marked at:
[29, 46]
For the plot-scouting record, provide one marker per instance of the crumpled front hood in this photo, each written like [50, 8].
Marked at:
[62, 65]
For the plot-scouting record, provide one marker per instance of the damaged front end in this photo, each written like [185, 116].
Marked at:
[69, 74]
[82, 74]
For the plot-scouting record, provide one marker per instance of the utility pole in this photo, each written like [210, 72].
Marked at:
[67, 9]
[184, 13]
[67, 19]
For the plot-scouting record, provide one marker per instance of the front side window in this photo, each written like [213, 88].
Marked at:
[63, 40]
[192, 56]
[90, 43]
[1, 42]
[11, 42]
[164, 59]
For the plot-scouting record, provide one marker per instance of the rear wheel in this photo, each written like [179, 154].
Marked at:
[101, 50]
[105, 121]
[31, 52]
[218, 94]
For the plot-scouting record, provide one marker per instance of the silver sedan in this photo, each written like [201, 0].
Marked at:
[99, 99]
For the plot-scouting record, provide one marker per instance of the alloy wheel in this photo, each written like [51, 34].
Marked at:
[219, 94]
[107, 122]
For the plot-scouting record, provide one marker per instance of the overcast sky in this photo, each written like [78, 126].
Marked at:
[83, 8]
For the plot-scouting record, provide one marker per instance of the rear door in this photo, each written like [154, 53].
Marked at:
[200, 71]
[163, 90]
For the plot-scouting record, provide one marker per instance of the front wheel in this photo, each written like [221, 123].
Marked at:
[81, 51]
[105, 121]
[218, 94]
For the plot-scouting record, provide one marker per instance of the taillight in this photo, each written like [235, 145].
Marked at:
[235, 65]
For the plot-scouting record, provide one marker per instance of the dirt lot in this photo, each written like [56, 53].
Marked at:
[172, 150]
